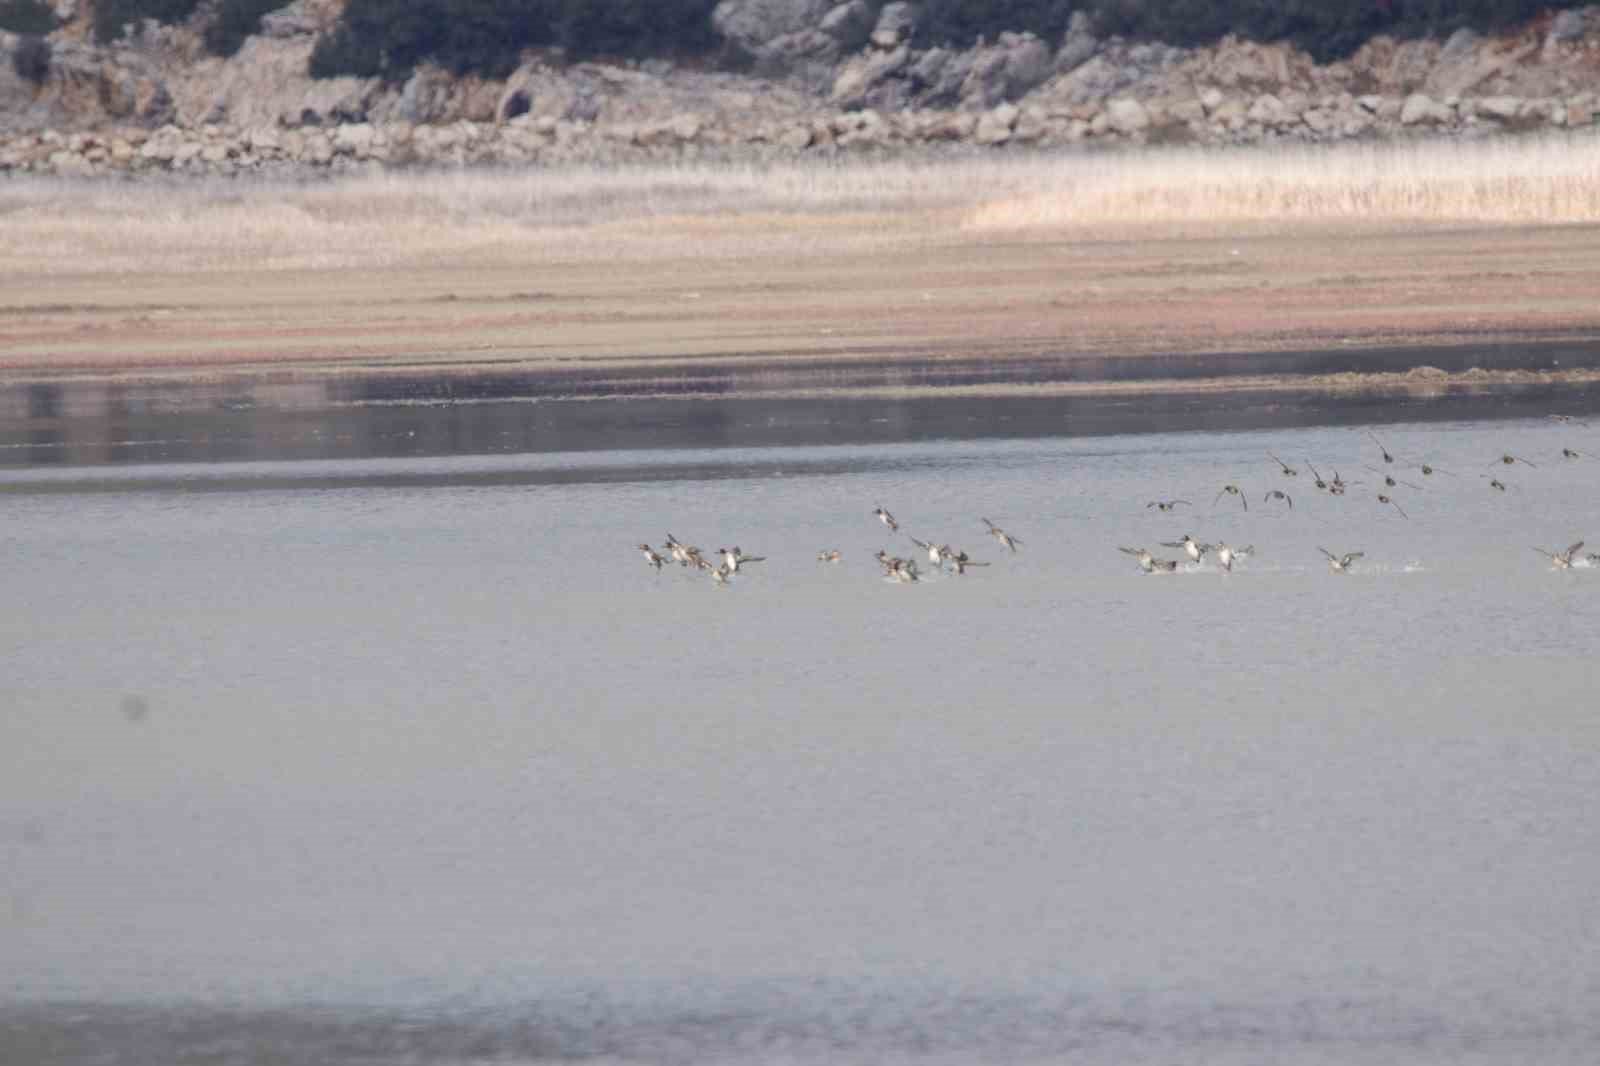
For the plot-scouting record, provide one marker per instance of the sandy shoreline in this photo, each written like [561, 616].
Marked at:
[874, 279]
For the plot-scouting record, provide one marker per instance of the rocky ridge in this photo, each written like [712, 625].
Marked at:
[817, 78]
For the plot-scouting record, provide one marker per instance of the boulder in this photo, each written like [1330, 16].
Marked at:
[896, 23]
[795, 138]
[849, 25]
[1498, 108]
[1005, 70]
[751, 24]
[864, 72]
[1126, 116]
[303, 18]
[354, 139]
[1268, 110]
[1422, 109]
[953, 126]
[1078, 45]
[994, 126]
[1567, 26]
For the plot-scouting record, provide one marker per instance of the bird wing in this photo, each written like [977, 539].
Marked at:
[1130, 551]
[1219, 496]
[1352, 557]
[1328, 553]
[1575, 549]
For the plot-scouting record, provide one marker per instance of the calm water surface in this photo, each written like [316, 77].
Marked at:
[345, 762]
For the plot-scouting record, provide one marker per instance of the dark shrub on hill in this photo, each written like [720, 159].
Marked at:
[31, 60]
[112, 17]
[26, 16]
[1327, 29]
[234, 22]
[390, 37]
[635, 27]
[962, 22]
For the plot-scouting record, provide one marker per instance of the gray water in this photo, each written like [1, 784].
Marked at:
[417, 760]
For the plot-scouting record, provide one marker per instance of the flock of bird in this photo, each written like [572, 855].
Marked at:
[941, 557]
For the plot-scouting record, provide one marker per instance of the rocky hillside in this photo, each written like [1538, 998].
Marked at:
[814, 76]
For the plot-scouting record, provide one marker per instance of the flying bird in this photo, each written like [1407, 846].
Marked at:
[1002, 536]
[1227, 555]
[1232, 490]
[1391, 481]
[887, 519]
[1166, 505]
[1288, 471]
[1386, 456]
[1385, 499]
[1279, 494]
[1340, 563]
[1562, 560]
[1191, 547]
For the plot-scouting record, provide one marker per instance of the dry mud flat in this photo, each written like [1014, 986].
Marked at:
[696, 311]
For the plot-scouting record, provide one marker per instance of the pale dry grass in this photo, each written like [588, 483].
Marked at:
[1553, 180]
[720, 210]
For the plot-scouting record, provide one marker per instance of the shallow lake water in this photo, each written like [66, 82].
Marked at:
[417, 759]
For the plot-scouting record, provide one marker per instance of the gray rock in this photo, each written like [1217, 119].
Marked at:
[1268, 110]
[1004, 70]
[1124, 115]
[994, 126]
[751, 24]
[354, 139]
[850, 24]
[1499, 108]
[795, 138]
[863, 73]
[925, 72]
[303, 18]
[1460, 45]
[1568, 25]
[1078, 45]
[896, 23]
[1422, 109]
[1028, 62]
[954, 126]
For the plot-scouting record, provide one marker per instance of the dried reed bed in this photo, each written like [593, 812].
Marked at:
[57, 226]
[1525, 181]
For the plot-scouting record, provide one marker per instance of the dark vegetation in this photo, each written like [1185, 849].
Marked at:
[26, 16]
[1327, 29]
[31, 60]
[113, 17]
[389, 38]
[235, 21]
